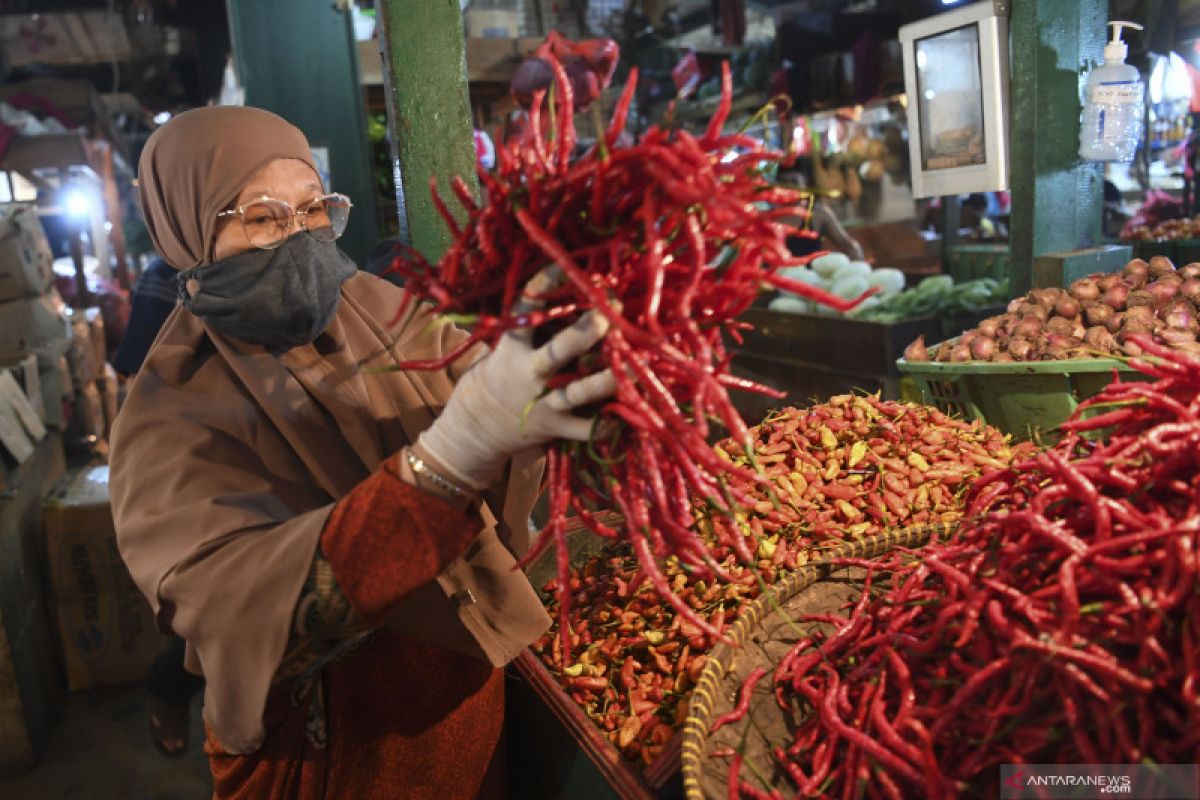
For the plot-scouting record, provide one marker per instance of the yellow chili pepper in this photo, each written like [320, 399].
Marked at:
[828, 440]
[857, 453]
[917, 461]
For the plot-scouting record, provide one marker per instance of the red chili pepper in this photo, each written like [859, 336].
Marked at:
[743, 704]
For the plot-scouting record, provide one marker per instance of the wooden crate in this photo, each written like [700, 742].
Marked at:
[813, 357]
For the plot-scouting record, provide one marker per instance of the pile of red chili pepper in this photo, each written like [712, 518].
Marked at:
[1062, 624]
[848, 468]
[670, 239]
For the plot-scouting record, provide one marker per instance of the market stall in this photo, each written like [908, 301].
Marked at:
[665, 582]
[898, 522]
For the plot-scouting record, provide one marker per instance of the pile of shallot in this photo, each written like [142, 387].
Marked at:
[1093, 317]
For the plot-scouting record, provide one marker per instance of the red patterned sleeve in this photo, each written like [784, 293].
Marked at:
[386, 538]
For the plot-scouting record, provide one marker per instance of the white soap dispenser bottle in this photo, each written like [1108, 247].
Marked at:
[1112, 104]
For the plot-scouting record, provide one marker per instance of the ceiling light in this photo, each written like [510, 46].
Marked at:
[78, 203]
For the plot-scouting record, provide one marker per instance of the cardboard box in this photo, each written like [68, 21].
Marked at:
[26, 263]
[21, 426]
[33, 325]
[105, 626]
[28, 375]
[57, 394]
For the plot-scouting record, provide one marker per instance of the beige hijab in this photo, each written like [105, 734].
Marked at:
[227, 458]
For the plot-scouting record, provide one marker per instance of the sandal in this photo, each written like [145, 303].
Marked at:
[169, 727]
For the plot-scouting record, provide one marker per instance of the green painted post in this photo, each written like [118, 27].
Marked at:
[1056, 197]
[429, 114]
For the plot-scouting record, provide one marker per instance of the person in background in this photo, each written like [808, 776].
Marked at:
[154, 298]
[170, 686]
[831, 234]
[332, 534]
[1115, 216]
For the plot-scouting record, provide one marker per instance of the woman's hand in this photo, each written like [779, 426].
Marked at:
[498, 408]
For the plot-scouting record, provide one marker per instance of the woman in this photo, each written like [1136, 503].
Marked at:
[330, 535]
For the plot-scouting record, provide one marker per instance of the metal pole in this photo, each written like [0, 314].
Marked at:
[541, 19]
[429, 113]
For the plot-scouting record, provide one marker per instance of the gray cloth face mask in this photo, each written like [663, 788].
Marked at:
[280, 298]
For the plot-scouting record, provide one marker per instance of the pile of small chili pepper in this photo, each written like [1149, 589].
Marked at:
[1062, 624]
[858, 465]
[670, 239]
[848, 468]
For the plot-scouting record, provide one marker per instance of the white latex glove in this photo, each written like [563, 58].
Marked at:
[498, 408]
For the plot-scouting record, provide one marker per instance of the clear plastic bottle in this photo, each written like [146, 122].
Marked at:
[1112, 104]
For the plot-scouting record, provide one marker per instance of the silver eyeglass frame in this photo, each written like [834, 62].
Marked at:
[293, 215]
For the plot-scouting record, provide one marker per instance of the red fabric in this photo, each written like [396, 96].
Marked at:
[403, 719]
[733, 22]
[387, 538]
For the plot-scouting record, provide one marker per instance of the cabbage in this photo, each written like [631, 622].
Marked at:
[803, 274]
[850, 288]
[790, 304]
[828, 264]
[889, 281]
[853, 269]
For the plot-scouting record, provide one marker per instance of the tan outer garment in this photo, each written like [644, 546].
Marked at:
[196, 165]
[226, 461]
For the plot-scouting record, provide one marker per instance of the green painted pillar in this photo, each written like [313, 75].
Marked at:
[298, 58]
[429, 114]
[1056, 197]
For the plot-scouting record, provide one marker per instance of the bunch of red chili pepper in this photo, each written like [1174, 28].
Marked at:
[1062, 624]
[851, 467]
[669, 239]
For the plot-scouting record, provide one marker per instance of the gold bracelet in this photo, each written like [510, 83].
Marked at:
[422, 470]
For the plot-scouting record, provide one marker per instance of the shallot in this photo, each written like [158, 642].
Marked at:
[1085, 290]
[1137, 272]
[1160, 266]
[1116, 296]
[1067, 307]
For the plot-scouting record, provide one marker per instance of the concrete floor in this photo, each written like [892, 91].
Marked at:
[100, 749]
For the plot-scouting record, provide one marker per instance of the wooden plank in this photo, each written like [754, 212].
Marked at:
[59, 151]
[73, 31]
[106, 35]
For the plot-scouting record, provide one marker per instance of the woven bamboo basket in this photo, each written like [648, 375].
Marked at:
[761, 635]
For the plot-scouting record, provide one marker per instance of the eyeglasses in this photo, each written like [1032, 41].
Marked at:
[267, 221]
